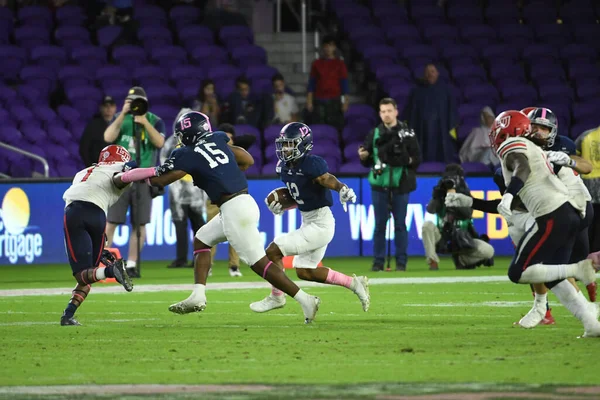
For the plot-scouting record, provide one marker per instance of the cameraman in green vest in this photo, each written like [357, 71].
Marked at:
[151, 131]
[392, 152]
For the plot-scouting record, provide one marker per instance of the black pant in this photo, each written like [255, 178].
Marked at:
[549, 241]
[181, 230]
[83, 226]
[594, 230]
[581, 247]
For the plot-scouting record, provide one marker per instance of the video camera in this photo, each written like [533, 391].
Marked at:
[391, 150]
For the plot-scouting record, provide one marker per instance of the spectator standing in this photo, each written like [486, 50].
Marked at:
[207, 102]
[151, 130]
[477, 147]
[186, 201]
[588, 147]
[285, 106]
[392, 152]
[92, 140]
[431, 111]
[326, 97]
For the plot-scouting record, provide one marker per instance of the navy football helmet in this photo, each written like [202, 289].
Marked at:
[191, 127]
[546, 118]
[294, 142]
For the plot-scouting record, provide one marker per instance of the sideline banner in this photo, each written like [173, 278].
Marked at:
[31, 222]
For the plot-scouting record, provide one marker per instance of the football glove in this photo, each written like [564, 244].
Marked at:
[347, 194]
[458, 200]
[128, 166]
[504, 206]
[275, 207]
[559, 158]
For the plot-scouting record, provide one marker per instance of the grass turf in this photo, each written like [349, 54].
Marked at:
[418, 333]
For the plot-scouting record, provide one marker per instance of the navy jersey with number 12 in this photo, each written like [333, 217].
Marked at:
[299, 179]
[212, 165]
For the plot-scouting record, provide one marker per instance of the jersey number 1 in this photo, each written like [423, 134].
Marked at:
[87, 174]
[215, 157]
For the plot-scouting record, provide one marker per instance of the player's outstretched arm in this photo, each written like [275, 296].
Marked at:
[329, 181]
[582, 165]
[242, 157]
[167, 178]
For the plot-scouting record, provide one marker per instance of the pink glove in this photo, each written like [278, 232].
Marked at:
[138, 174]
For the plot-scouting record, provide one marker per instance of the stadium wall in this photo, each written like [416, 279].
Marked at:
[31, 221]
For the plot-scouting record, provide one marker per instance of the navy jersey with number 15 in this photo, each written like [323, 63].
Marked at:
[212, 165]
[299, 181]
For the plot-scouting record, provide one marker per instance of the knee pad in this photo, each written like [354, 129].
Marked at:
[86, 276]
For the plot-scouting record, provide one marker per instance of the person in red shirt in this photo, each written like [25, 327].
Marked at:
[327, 87]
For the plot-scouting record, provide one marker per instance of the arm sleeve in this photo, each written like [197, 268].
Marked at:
[312, 80]
[174, 163]
[414, 151]
[488, 206]
[159, 125]
[368, 145]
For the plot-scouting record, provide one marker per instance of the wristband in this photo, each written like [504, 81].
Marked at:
[572, 163]
[515, 186]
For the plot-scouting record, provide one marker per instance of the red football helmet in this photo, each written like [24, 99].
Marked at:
[511, 123]
[114, 153]
[527, 110]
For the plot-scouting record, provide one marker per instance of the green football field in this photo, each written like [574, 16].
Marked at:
[427, 332]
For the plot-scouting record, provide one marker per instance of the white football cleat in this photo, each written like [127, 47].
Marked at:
[533, 317]
[268, 303]
[310, 309]
[360, 286]
[235, 271]
[586, 272]
[188, 306]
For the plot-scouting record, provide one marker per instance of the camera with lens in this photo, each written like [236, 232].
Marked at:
[138, 106]
[391, 150]
[378, 168]
[450, 182]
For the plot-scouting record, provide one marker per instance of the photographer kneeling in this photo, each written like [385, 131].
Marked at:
[392, 152]
[454, 233]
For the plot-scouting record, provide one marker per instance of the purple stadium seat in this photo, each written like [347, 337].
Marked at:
[351, 10]
[68, 113]
[44, 113]
[399, 89]
[268, 169]
[13, 59]
[21, 113]
[431, 168]
[43, 78]
[584, 111]
[481, 93]
[471, 32]
[425, 12]
[107, 35]
[183, 15]
[500, 51]
[353, 167]
[465, 128]
[250, 52]
[10, 135]
[325, 133]
[523, 93]
[224, 87]
[60, 135]
[186, 72]
[356, 132]
[579, 128]
[556, 34]
[224, 71]
[52, 57]
[149, 73]
[469, 74]
[33, 134]
[114, 74]
[130, 56]
[470, 111]
[540, 52]
[475, 168]
[461, 14]
[540, 71]
[357, 112]
[244, 129]
[254, 170]
[70, 15]
[372, 32]
[582, 70]
[578, 52]
[77, 94]
[351, 151]
[270, 133]
[506, 71]
[165, 112]
[393, 71]
[499, 13]
[515, 32]
[162, 94]
[441, 33]
[564, 92]
[577, 12]
[155, 36]
[587, 33]
[34, 14]
[195, 35]
[453, 52]
[31, 36]
[74, 73]
[236, 31]
[588, 91]
[539, 12]
[66, 170]
[204, 52]
[72, 36]
[419, 50]
[149, 11]
[89, 54]
[169, 56]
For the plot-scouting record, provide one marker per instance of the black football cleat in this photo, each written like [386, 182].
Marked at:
[121, 275]
[68, 321]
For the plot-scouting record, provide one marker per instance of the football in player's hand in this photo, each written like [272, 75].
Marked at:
[283, 196]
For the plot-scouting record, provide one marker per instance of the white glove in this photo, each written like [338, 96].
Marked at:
[347, 194]
[504, 206]
[458, 200]
[559, 158]
[275, 207]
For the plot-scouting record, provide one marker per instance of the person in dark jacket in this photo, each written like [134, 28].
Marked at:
[454, 233]
[92, 140]
[392, 152]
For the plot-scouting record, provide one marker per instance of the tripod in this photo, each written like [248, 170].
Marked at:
[136, 200]
[389, 223]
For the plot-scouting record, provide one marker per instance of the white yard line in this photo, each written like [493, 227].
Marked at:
[114, 288]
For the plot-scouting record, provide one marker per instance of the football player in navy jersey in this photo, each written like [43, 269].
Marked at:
[309, 182]
[216, 168]
[561, 151]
